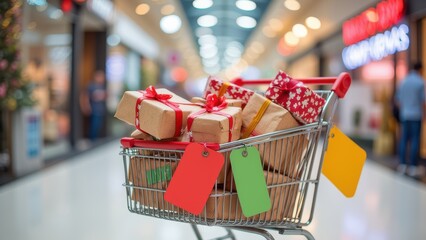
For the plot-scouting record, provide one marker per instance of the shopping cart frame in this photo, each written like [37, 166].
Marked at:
[148, 200]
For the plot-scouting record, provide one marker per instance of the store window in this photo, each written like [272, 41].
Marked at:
[46, 53]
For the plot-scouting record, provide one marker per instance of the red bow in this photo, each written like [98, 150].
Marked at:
[151, 94]
[214, 104]
[286, 84]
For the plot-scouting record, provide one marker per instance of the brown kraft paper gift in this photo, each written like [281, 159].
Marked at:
[282, 155]
[283, 200]
[155, 118]
[212, 127]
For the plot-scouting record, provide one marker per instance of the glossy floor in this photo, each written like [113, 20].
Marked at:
[83, 199]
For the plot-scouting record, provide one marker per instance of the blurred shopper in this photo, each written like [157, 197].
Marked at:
[410, 97]
[93, 104]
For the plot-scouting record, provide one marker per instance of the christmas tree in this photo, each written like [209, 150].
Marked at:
[15, 92]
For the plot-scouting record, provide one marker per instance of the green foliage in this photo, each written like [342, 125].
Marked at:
[15, 92]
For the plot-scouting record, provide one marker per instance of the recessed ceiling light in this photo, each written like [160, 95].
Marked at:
[246, 5]
[291, 39]
[202, 4]
[313, 22]
[207, 21]
[142, 9]
[200, 31]
[207, 40]
[170, 24]
[292, 5]
[300, 30]
[167, 9]
[246, 22]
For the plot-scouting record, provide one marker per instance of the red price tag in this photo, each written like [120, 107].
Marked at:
[194, 178]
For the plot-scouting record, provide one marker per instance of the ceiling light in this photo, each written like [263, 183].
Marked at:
[233, 52]
[313, 22]
[246, 5]
[142, 9]
[276, 24]
[291, 39]
[170, 24]
[207, 21]
[202, 4]
[235, 44]
[269, 32]
[56, 14]
[207, 39]
[209, 51]
[167, 9]
[246, 22]
[257, 47]
[200, 31]
[292, 5]
[300, 30]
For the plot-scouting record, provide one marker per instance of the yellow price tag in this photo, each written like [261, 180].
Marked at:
[343, 162]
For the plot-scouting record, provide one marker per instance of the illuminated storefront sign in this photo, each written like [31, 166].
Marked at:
[376, 47]
[370, 35]
[373, 20]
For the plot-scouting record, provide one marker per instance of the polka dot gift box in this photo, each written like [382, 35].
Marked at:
[303, 103]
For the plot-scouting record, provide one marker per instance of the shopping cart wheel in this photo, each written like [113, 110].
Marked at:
[229, 234]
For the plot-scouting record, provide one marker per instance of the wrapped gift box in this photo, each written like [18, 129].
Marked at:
[300, 100]
[283, 199]
[263, 116]
[153, 116]
[228, 90]
[230, 102]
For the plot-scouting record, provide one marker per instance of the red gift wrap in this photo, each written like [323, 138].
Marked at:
[227, 90]
[303, 103]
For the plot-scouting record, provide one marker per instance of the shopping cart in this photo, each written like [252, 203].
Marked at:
[292, 183]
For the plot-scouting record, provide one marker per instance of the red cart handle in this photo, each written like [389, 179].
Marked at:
[128, 142]
[340, 83]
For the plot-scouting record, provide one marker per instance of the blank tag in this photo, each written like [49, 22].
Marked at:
[250, 181]
[194, 178]
[343, 162]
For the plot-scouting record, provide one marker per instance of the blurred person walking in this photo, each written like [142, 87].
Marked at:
[93, 104]
[410, 98]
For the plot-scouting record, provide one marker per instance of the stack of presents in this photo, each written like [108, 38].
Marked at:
[224, 113]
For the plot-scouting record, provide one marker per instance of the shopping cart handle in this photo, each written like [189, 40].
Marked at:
[128, 142]
[341, 83]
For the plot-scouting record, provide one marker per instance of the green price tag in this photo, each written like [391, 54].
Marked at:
[157, 175]
[250, 181]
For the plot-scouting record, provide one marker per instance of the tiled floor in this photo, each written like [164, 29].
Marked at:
[82, 198]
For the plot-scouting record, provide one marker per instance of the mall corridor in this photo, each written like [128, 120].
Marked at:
[83, 198]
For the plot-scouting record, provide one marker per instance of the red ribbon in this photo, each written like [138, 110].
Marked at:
[214, 105]
[151, 94]
[285, 85]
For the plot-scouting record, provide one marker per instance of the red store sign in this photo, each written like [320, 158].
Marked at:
[373, 20]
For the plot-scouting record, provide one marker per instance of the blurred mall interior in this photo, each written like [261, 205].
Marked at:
[52, 50]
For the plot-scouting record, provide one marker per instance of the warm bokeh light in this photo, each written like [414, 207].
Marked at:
[313, 23]
[284, 49]
[276, 24]
[371, 15]
[179, 74]
[292, 5]
[269, 32]
[167, 9]
[207, 21]
[257, 47]
[142, 9]
[300, 30]
[291, 39]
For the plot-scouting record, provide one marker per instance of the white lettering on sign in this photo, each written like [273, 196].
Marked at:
[377, 47]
